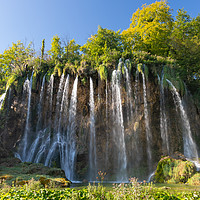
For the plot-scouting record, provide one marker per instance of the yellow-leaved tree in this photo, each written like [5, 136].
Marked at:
[150, 29]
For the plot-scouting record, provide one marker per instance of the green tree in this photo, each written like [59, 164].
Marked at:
[72, 52]
[42, 49]
[14, 60]
[150, 29]
[185, 45]
[56, 50]
[105, 47]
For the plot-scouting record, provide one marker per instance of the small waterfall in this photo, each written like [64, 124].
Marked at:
[92, 147]
[136, 92]
[163, 118]
[24, 143]
[35, 143]
[3, 96]
[64, 105]
[129, 96]
[58, 102]
[190, 150]
[9, 98]
[49, 100]
[146, 115]
[70, 146]
[118, 127]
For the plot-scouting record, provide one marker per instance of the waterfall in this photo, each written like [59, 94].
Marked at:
[64, 105]
[146, 115]
[190, 150]
[118, 127]
[3, 96]
[58, 103]
[136, 92]
[49, 100]
[45, 143]
[62, 121]
[70, 146]
[163, 118]
[58, 141]
[24, 143]
[92, 147]
[39, 121]
[129, 96]
[38, 133]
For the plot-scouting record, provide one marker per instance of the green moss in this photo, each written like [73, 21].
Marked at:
[103, 72]
[194, 180]
[174, 171]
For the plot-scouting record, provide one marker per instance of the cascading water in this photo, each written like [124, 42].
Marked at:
[146, 115]
[2, 98]
[136, 92]
[129, 96]
[190, 150]
[58, 102]
[118, 127]
[56, 141]
[92, 146]
[24, 143]
[70, 146]
[163, 118]
[45, 143]
[39, 132]
[62, 121]
[49, 100]
[64, 105]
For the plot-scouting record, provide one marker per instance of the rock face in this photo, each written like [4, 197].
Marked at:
[139, 163]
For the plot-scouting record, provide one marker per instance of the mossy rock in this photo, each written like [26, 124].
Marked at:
[170, 170]
[5, 177]
[54, 182]
[194, 180]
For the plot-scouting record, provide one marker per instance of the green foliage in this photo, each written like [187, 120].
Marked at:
[134, 190]
[14, 63]
[103, 48]
[56, 50]
[72, 52]
[185, 41]
[174, 76]
[174, 171]
[42, 49]
[150, 29]
[128, 64]
[103, 72]
[194, 180]
[139, 68]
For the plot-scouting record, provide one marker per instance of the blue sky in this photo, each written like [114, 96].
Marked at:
[34, 20]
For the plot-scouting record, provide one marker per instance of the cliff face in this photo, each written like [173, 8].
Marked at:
[117, 140]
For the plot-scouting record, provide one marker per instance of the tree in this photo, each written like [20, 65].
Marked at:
[14, 60]
[56, 50]
[150, 29]
[42, 49]
[72, 52]
[103, 47]
[185, 45]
